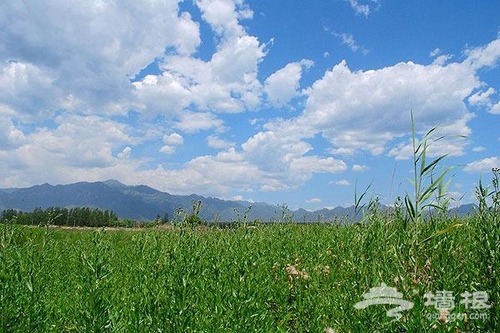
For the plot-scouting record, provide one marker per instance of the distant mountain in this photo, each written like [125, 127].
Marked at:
[463, 209]
[133, 202]
[145, 203]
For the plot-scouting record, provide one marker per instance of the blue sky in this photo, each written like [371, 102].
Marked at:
[278, 101]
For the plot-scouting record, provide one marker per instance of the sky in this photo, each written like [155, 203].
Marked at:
[303, 103]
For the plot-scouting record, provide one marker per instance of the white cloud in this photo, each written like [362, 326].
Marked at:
[166, 149]
[363, 9]
[369, 111]
[226, 83]
[223, 15]
[78, 148]
[484, 56]
[283, 85]
[69, 62]
[215, 142]
[495, 109]
[273, 151]
[281, 155]
[11, 137]
[87, 52]
[313, 200]
[230, 155]
[437, 51]
[27, 91]
[348, 39]
[342, 182]
[481, 97]
[359, 168]
[207, 175]
[173, 139]
[440, 59]
[192, 122]
[302, 168]
[484, 165]
[162, 94]
[125, 153]
[365, 110]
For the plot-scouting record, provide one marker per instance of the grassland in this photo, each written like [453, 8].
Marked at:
[272, 278]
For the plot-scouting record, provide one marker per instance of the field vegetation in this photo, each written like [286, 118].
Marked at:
[280, 277]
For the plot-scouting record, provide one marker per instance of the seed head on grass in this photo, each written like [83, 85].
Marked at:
[294, 273]
[443, 316]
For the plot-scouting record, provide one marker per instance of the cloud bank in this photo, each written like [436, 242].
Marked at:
[77, 103]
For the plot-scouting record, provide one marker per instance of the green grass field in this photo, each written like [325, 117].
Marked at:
[271, 278]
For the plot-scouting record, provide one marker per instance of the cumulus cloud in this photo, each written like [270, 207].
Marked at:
[495, 109]
[26, 91]
[10, 136]
[484, 165]
[125, 153]
[171, 141]
[71, 86]
[440, 59]
[302, 168]
[283, 85]
[207, 175]
[368, 111]
[79, 147]
[192, 122]
[483, 56]
[224, 15]
[365, 110]
[225, 83]
[342, 182]
[282, 156]
[87, 51]
[162, 94]
[216, 142]
[166, 149]
[481, 97]
[359, 168]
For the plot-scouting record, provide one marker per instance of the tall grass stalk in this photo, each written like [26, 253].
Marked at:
[426, 182]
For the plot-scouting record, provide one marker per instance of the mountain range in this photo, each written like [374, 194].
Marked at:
[145, 203]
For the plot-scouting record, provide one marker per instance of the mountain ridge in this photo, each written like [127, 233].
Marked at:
[141, 202]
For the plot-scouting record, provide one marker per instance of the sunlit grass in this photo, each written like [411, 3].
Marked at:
[273, 278]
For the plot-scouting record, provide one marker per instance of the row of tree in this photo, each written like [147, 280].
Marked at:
[78, 217]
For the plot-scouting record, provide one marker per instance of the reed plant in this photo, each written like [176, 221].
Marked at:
[280, 277]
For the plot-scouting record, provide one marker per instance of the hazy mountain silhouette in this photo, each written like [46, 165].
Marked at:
[145, 203]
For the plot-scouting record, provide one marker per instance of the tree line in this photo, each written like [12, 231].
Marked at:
[77, 217]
